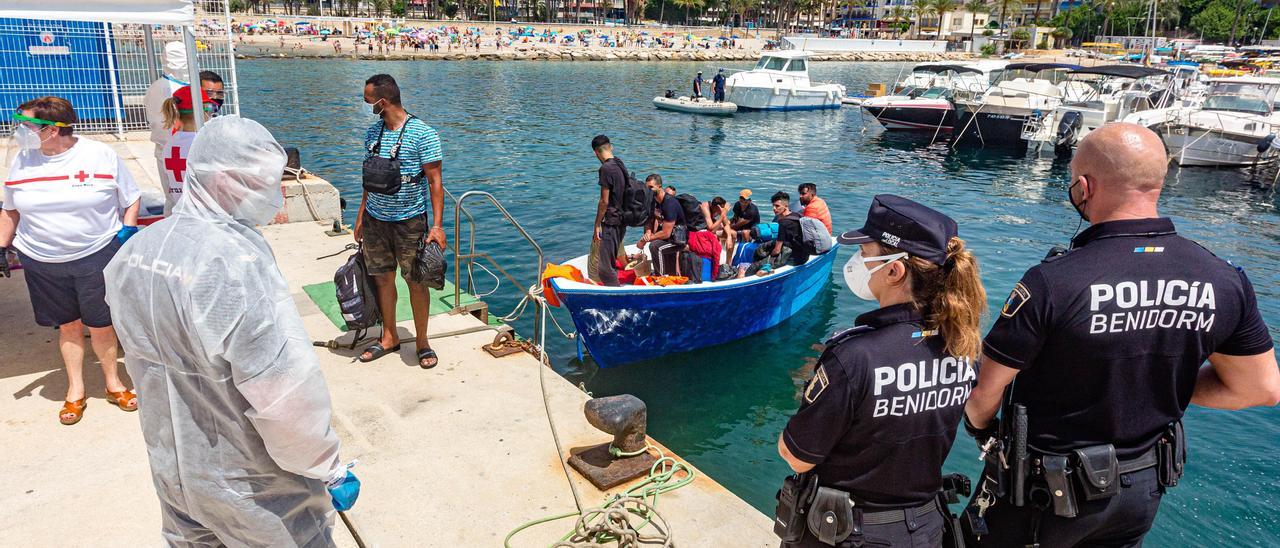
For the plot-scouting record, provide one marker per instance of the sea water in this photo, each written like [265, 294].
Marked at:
[522, 131]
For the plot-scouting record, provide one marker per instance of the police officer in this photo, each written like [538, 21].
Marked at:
[1107, 342]
[882, 409]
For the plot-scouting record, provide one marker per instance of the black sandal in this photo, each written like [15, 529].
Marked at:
[425, 354]
[376, 351]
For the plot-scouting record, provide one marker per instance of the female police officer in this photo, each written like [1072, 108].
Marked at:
[881, 411]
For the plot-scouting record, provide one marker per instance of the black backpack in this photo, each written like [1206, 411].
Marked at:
[357, 296]
[635, 206]
[692, 212]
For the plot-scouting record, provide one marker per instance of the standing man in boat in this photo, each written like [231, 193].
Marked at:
[882, 409]
[606, 241]
[1107, 342]
[697, 86]
[391, 225]
[717, 86]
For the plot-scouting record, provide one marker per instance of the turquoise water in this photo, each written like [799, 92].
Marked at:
[522, 129]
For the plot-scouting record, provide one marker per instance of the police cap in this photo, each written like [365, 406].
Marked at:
[896, 221]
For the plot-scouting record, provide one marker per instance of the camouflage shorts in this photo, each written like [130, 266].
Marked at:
[388, 244]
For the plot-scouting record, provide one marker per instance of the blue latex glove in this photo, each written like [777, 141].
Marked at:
[344, 491]
[126, 233]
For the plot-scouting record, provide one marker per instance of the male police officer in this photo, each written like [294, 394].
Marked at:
[1107, 341]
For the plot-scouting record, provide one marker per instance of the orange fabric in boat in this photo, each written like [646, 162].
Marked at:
[558, 271]
[662, 280]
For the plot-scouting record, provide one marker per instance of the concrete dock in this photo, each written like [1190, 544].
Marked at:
[454, 456]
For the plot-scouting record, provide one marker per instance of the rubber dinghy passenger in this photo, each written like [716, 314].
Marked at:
[881, 411]
[234, 409]
[1107, 341]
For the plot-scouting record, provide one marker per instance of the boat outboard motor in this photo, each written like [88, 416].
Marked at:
[627, 456]
[1267, 142]
[1068, 133]
[670, 94]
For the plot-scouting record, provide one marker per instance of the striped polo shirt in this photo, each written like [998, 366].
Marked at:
[421, 145]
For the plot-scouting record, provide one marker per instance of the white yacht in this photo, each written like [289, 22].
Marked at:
[1094, 96]
[1021, 91]
[780, 81]
[1236, 125]
[922, 100]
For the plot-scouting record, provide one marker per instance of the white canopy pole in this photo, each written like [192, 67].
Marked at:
[193, 72]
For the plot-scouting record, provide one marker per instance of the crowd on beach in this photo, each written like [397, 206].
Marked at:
[388, 38]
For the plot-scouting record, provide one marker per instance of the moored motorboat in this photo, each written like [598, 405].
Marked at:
[923, 100]
[780, 81]
[620, 325]
[997, 116]
[1236, 125]
[695, 106]
[1094, 96]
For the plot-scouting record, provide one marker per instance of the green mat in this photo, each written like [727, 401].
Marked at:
[326, 298]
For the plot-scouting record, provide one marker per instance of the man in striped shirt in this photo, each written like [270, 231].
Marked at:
[389, 226]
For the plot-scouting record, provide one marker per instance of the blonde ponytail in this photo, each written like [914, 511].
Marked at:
[951, 297]
[172, 116]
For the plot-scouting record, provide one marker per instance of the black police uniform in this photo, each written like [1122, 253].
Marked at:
[881, 411]
[1108, 339]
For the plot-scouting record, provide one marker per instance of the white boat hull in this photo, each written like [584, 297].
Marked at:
[700, 106]
[815, 98]
[1193, 146]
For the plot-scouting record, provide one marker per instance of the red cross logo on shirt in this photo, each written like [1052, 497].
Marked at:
[176, 163]
[81, 176]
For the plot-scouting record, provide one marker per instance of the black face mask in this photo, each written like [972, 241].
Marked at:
[1080, 206]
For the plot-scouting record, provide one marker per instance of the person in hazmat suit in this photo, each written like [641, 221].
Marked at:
[234, 409]
[175, 75]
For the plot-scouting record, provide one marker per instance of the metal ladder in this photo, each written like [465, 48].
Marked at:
[468, 257]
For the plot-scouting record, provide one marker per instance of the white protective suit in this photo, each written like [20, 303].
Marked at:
[234, 409]
[175, 76]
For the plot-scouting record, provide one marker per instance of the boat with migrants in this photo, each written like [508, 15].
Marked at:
[780, 81]
[695, 106]
[626, 324]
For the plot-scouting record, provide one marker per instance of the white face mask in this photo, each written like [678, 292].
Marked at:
[858, 277]
[26, 138]
[372, 108]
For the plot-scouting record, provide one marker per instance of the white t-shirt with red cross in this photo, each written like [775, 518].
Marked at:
[70, 204]
[175, 167]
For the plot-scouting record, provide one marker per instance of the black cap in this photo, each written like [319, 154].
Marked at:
[599, 141]
[909, 226]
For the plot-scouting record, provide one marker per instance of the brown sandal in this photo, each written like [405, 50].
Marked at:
[122, 398]
[74, 408]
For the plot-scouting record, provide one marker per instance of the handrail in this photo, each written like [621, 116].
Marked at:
[471, 249]
[458, 210]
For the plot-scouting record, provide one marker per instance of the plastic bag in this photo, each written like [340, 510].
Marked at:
[429, 266]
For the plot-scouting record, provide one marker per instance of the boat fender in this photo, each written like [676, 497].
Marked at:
[1267, 142]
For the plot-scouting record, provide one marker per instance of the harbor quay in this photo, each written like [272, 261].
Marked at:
[459, 455]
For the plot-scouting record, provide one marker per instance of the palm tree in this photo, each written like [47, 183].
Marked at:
[687, 5]
[974, 7]
[1005, 6]
[942, 8]
[923, 8]
[897, 13]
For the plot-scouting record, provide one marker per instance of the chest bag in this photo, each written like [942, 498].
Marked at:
[382, 175]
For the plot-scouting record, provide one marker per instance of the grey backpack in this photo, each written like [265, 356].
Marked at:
[815, 234]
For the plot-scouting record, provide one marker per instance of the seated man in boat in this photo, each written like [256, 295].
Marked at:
[790, 235]
[745, 216]
[661, 233]
[814, 206]
[716, 214]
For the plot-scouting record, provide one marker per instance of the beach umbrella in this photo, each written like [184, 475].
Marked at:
[326, 32]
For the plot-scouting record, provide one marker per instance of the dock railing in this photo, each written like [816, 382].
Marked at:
[468, 258]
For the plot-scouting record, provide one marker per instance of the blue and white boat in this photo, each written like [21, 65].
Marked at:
[620, 325]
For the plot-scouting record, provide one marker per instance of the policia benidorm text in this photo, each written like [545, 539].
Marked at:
[882, 409]
[1107, 342]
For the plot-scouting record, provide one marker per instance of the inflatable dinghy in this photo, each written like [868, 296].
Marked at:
[699, 106]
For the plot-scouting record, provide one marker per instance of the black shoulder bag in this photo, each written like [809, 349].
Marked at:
[382, 175]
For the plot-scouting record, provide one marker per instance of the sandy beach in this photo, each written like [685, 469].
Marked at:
[746, 45]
